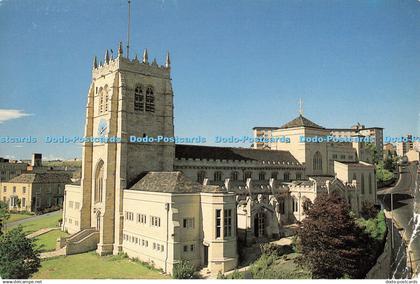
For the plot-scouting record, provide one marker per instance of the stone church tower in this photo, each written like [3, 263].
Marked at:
[126, 98]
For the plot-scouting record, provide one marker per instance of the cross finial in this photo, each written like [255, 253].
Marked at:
[300, 106]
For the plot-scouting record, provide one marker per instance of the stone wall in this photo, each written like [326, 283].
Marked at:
[382, 268]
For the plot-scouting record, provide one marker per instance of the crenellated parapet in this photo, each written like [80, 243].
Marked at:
[111, 64]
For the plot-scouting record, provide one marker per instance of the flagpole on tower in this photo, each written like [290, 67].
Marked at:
[300, 106]
[128, 30]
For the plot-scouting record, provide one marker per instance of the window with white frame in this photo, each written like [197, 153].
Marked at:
[129, 216]
[218, 223]
[141, 218]
[154, 221]
[227, 222]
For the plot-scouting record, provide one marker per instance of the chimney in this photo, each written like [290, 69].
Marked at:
[36, 160]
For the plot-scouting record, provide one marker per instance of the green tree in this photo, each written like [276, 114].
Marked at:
[19, 257]
[331, 242]
[184, 270]
[373, 152]
[4, 215]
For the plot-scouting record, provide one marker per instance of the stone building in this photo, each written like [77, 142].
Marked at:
[34, 191]
[9, 170]
[163, 203]
[353, 150]
[406, 144]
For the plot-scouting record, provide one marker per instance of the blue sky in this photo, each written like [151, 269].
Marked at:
[235, 64]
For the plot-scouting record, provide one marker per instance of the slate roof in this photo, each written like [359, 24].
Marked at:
[301, 121]
[230, 153]
[41, 178]
[171, 182]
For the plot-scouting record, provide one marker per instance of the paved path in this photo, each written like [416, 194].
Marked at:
[36, 217]
[406, 196]
[41, 232]
[54, 253]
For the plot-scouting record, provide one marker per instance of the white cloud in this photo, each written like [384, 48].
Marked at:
[9, 114]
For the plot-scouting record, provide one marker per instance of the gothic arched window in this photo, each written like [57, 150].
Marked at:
[201, 176]
[138, 99]
[150, 100]
[234, 176]
[317, 161]
[99, 181]
[105, 98]
[261, 176]
[100, 100]
[286, 176]
[217, 176]
[247, 175]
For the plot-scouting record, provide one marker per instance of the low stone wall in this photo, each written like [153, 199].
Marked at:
[382, 268]
[83, 241]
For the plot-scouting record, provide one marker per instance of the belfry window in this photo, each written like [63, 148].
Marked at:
[103, 99]
[150, 100]
[138, 99]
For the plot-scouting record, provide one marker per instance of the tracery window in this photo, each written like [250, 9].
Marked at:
[317, 161]
[150, 100]
[138, 99]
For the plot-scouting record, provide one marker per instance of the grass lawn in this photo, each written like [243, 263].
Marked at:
[91, 266]
[16, 217]
[47, 242]
[35, 225]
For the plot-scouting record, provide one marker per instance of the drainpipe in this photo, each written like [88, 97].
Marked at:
[167, 236]
[63, 224]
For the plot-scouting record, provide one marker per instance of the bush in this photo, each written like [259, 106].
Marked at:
[49, 209]
[19, 257]
[119, 256]
[220, 275]
[369, 210]
[276, 250]
[296, 244]
[184, 270]
[375, 227]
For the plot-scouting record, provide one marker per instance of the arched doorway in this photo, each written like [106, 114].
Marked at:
[259, 224]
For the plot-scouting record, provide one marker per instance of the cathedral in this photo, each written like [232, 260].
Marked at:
[165, 202]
